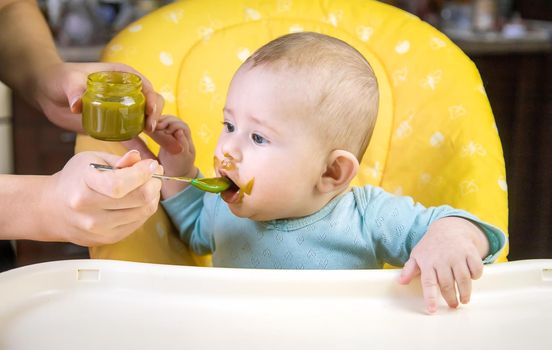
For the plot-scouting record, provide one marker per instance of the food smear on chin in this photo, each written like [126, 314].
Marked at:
[245, 190]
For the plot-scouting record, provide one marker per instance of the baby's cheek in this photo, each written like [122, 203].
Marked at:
[265, 193]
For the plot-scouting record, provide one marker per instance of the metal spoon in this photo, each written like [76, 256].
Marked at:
[213, 185]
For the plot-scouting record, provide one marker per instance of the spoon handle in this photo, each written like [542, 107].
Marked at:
[104, 167]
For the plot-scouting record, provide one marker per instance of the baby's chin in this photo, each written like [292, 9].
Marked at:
[248, 213]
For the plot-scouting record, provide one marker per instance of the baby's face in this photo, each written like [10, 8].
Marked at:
[268, 147]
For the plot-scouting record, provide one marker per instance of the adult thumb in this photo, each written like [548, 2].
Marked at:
[128, 159]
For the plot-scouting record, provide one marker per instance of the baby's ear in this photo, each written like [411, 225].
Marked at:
[341, 168]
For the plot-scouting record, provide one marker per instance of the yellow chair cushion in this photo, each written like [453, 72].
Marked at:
[435, 138]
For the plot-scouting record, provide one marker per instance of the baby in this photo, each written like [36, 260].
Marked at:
[298, 118]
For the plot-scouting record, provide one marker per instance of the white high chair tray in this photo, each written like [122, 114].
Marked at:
[95, 304]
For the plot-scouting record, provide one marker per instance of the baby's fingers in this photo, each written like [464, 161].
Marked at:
[430, 289]
[166, 141]
[409, 271]
[475, 264]
[462, 276]
[447, 285]
[185, 141]
[175, 126]
[164, 122]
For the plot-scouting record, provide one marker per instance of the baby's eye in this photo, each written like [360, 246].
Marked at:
[228, 127]
[258, 139]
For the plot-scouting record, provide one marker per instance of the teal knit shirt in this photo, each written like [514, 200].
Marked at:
[360, 229]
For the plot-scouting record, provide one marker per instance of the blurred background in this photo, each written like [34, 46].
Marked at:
[510, 41]
[92, 22]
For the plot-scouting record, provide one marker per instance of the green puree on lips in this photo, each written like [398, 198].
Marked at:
[113, 106]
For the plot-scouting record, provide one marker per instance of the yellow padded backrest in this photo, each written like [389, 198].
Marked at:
[435, 138]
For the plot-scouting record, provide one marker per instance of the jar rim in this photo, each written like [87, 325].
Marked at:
[115, 78]
[114, 82]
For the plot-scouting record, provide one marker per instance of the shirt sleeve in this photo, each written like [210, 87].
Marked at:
[192, 216]
[397, 223]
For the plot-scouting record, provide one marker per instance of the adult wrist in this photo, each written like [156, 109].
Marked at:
[48, 208]
[29, 215]
[36, 82]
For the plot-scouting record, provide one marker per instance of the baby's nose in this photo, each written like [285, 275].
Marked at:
[231, 152]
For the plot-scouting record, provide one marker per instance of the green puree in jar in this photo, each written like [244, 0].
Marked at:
[113, 106]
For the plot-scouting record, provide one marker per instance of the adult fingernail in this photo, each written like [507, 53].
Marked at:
[153, 125]
[153, 166]
[133, 151]
[72, 103]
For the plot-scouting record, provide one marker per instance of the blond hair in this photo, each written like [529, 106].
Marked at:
[343, 83]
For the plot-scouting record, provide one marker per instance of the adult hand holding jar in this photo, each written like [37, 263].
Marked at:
[60, 89]
[31, 65]
[78, 204]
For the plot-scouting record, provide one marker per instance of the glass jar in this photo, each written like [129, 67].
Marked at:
[113, 106]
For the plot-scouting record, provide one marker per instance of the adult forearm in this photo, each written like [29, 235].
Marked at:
[26, 45]
[22, 208]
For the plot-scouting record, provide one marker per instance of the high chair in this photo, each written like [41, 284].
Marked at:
[435, 138]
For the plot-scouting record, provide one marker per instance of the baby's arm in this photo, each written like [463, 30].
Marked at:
[192, 211]
[177, 161]
[444, 244]
[185, 206]
[449, 256]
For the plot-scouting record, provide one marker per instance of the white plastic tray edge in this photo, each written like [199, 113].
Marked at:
[70, 274]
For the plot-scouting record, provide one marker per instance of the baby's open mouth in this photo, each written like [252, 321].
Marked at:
[235, 193]
[231, 195]
[233, 187]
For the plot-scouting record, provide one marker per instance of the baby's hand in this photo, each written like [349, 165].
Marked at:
[179, 160]
[448, 257]
[176, 153]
